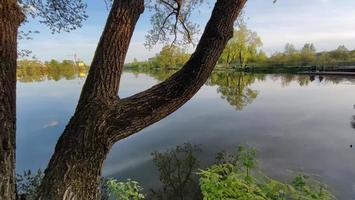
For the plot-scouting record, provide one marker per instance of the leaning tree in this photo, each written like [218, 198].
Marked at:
[101, 117]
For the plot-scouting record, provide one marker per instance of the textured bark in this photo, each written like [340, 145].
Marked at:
[134, 113]
[74, 170]
[10, 19]
[106, 69]
[101, 118]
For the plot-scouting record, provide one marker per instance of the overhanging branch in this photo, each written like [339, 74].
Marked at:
[134, 113]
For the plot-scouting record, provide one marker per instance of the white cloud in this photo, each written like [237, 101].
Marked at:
[51, 123]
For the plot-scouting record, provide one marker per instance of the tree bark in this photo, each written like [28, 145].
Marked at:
[74, 170]
[10, 19]
[102, 118]
[134, 113]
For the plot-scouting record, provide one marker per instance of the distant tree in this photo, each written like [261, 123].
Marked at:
[292, 55]
[308, 54]
[242, 47]
[340, 54]
[171, 56]
[31, 70]
[277, 58]
[290, 49]
[324, 59]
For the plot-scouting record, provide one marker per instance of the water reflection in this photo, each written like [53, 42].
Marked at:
[36, 71]
[297, 122]
[234, 87]
[353, 121]
[178, 168]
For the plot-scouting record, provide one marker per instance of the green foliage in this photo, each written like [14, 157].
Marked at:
[308, 54]
[247, 158]
[170, 57]
[243, 47]
[129, 190]
[28, 184]
[244, 51]
[293, 57]
[222, 182]
[226, 180]
[35, 70]
[341, 53]
[231, 177]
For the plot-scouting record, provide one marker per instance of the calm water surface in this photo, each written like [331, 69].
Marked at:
[297, 123]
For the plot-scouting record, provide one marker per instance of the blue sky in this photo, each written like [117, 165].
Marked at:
[326, 23]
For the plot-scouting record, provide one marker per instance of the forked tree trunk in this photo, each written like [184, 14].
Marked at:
[74, 170]
[102, 118]
[10, 19]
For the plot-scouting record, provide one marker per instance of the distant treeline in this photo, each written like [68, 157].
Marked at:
[243, 52]
[170, 57]
[35, 70]
[308, 56]
[290, 59]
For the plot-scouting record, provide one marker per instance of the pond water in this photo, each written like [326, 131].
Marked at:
[297, 124]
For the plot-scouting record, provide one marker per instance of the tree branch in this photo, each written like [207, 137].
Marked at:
[168, 4]
[164, 22]
[103, 79]
[189, 38]
[134, 113]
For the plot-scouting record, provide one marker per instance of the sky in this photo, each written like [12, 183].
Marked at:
[325, 23]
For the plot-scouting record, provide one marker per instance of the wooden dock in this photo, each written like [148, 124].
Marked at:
[333, 73]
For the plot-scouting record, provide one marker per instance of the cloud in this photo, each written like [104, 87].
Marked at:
[51, 123]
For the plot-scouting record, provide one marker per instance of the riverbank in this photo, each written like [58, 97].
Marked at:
[301, 69]
[332, 73]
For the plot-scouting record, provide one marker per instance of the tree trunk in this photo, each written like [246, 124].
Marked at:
[241, 59]
[10, 19]
[74, 170]
[102, 118]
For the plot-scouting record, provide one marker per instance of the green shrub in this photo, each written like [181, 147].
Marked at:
[233, 180]
[129, 190]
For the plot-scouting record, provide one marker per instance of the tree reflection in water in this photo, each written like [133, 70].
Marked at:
[234, 87]
[36, 71]
[178, 169]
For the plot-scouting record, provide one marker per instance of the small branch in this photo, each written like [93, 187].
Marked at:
[163, 25]
[168, 4]
[189, 37]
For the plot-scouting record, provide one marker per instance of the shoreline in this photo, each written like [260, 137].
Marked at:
[332, 73]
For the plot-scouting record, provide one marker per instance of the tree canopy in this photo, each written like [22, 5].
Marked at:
[244, 45]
